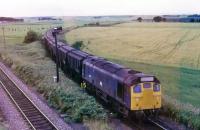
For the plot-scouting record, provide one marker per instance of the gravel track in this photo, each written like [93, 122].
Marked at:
[42, 105]
[13, 117]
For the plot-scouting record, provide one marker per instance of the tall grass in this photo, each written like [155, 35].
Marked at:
[30, 62]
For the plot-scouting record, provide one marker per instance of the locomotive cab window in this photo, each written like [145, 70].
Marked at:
[120, 91]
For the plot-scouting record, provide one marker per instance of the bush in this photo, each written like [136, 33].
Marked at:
[159, 19]
[31, 36]
[139, 19]
[76, 104]
[78, 45]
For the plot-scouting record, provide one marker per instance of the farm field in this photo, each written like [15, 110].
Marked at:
[15, 32]
[168, 50]
[174, 44]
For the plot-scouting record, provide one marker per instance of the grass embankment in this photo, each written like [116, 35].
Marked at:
[31, 64]
[153, 48]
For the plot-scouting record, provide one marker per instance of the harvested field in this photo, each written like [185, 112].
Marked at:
[171, 44]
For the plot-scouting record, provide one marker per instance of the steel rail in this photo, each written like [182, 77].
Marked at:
[31, 102]
[158, 123]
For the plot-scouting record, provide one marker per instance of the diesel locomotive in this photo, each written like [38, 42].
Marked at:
[125, 89]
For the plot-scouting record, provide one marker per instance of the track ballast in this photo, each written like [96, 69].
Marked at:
[30, 112]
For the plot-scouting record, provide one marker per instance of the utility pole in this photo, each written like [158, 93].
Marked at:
[57, 58]
[54, 33]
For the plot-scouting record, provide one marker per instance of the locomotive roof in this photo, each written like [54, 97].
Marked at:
[79, 53]
[124, 75]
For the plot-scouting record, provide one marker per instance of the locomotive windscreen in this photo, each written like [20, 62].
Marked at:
[146, 79]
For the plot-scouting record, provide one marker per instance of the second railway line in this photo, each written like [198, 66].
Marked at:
[30, 112]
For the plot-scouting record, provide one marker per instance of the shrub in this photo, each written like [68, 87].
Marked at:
[78, 45]
[31, 36]
[139, 19]
[76, 104]
[158, 19]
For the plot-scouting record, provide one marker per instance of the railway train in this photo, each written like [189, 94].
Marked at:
[125, 89]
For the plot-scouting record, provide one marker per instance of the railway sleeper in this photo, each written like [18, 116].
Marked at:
[36, 117]
[29, 110]
[47, 128]
[14, 91]
[20, 97]
[42, 126]
[22, 100]
[41, 121]
[32, 114]
[25, 105]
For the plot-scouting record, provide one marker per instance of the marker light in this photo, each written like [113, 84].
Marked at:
[137, 88]
[156, 87]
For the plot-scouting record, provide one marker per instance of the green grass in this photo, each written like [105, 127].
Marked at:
[173, 44]
[179, 83]
[168, 50]
[14, 33]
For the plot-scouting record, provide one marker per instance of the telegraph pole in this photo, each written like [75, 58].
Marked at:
[55, 32]
[57, 58]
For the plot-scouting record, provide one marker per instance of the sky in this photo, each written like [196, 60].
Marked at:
[20, 8]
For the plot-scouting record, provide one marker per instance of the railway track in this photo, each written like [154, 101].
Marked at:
[30, 112]
[162, 125]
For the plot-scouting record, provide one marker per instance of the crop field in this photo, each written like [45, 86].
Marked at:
[171, 44]
[168, 50]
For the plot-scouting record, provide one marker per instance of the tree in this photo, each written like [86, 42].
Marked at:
[139, 19]
[164, 19]
[78, 45]
[157, 19]
[31, 36]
